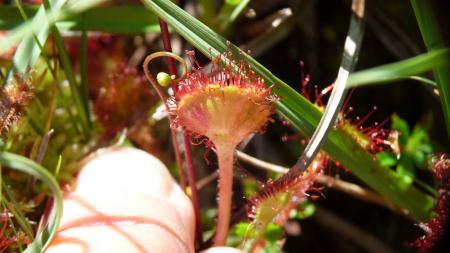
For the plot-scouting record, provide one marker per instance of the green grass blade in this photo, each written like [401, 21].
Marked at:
[80, 103]
[134, 19]
[84, 90]
[28, 166]
[400, 70]
[11, 16]
[28, 51]
[230, 11]
[431, 35]
[30, 48]
[24, 16]
[238, 9]
[423, 80]
[14, 208]
[58, 166]
[21, 10]
[302, 114]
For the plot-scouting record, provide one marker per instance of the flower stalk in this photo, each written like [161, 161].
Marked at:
[163, 97]
[186, 143]
[225, 155]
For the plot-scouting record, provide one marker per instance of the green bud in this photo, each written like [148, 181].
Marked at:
[163, 79]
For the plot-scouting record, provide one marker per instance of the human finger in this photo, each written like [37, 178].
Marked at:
[125, 201]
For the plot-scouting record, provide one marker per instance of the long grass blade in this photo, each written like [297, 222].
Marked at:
[230, 11]
[28, 51]
[400, 70]
[84, 89]
[80, 103]
[432, 37]
[134, 19]
[28, 166]
[30, 48]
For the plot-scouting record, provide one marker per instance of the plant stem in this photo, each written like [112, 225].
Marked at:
[172, 70]
[187, 148]
[351, 189]
[194, 192]
[176, 150]
[163, 97]
[225, 153]
[167, 46]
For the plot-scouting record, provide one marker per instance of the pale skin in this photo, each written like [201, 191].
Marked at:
[125, 200]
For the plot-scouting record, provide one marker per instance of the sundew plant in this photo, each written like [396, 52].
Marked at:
[316, 126]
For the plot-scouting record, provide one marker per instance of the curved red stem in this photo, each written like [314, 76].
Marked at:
[186, 141]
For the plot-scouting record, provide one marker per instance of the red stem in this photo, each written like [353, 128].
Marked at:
[186, 141]
[173, 131]
[167, 46]
[176, 150]
[192, 184]
[225, 153]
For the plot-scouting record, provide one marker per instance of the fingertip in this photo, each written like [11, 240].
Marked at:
[125, 169]
[127, 198]
[222, 250]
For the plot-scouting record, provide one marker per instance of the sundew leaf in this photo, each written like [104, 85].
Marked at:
[303, 115]
[28, 166]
